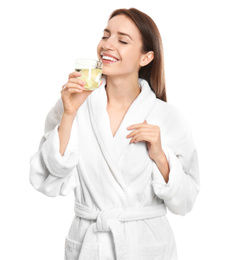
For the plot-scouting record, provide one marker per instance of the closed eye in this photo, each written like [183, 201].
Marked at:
[123, 42]
[106, 37]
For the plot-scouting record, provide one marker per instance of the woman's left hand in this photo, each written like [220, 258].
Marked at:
[151, 135]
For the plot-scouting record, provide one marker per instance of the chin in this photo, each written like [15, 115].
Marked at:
[106, 71]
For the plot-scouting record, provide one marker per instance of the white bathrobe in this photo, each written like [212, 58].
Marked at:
[120, 195]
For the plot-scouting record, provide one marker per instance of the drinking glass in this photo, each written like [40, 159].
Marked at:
[91, 71]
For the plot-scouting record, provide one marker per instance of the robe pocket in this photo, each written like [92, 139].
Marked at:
[152, 252]
[156, 248]
[72, 249]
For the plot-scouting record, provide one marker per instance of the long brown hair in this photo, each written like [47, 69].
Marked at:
[151, 39]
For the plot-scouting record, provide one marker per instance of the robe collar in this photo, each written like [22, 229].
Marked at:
[112, 147]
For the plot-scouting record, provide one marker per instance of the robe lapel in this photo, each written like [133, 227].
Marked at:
[97, 104]
[112, 147]
[136, 114]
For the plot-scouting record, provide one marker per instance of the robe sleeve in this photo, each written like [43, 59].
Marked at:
[51, 173]
[180, 192]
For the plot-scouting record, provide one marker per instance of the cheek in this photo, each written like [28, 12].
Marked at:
[134, 57]
[99, 47]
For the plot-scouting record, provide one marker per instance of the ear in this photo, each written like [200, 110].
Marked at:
[146, 58]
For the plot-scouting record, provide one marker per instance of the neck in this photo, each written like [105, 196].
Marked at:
[121, 92]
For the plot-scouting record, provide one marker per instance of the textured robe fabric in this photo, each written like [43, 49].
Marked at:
[120, 195]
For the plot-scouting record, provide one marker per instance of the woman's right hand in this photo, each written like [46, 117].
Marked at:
[73, 94]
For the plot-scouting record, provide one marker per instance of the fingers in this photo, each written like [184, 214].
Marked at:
[74, 74]
[71, 90]
[144, 132]
[136, 126]
[135, 132]
[71, 87]
[143, 126]
[77, 81]
[74, 84]
[147, 136]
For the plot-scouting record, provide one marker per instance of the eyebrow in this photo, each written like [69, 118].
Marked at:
[120, 33]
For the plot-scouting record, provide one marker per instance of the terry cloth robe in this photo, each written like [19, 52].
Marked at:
[120, 196]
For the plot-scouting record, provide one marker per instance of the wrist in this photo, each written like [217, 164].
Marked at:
[160, 158]
[69, 115]
[163, 166]
[64, 131]
[66, 121]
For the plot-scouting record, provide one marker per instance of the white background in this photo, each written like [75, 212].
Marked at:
[39, 42]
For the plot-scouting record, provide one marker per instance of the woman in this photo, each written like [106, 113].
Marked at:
[127, 154]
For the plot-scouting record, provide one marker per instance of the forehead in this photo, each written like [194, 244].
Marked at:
[121, 23]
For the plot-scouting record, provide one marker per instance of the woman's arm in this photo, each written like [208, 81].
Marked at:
[64, 131]
[53, 168]
[180, 193]
[73, 96]
[175, 171]
[51, 173]
[163, 166]
[151, 135]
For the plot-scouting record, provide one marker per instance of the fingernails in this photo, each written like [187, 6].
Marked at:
[78, 73]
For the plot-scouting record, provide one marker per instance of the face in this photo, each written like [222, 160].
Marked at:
[120, 47]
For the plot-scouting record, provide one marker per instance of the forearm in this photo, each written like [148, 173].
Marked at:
[64, 131]
[163, 166]
[180, 195]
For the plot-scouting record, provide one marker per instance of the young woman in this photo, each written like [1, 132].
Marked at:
[127, 154]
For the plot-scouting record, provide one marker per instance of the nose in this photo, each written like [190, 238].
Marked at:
[108, 44]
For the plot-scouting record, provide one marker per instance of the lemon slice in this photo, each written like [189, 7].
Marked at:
[92, 78]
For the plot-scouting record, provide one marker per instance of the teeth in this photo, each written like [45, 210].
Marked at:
[108, 58]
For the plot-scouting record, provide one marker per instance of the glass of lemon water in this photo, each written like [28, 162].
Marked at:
[91, 72]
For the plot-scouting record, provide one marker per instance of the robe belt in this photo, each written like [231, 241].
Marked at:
[109, 220]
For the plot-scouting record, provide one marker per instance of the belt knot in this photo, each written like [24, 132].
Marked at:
[106, 216]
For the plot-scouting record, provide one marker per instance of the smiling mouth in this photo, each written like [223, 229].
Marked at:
[108, 58]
